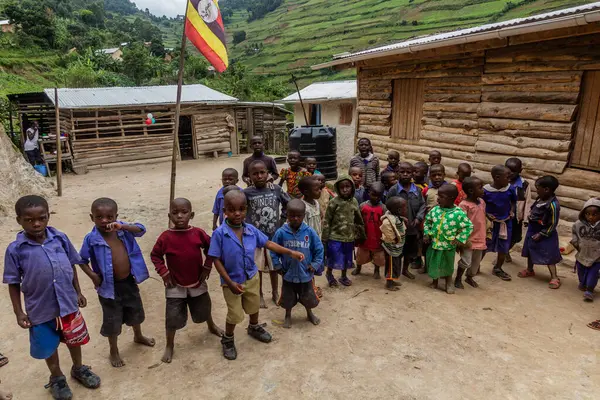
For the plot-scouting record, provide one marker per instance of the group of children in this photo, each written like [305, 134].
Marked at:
[407, 215]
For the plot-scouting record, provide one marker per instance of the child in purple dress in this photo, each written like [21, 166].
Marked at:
[541, 241]
[586, 239]
[500, 202]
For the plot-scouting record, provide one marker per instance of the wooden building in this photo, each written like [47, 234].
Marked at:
[108, 125]
[527, 88]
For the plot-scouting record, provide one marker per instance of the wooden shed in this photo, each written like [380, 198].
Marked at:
[527, 88]
[108, 125]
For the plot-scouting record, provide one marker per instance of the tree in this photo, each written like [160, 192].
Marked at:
[239, 37]
[34, 19]
[139, 64]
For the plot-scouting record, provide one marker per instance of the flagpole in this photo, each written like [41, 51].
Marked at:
[178, 109]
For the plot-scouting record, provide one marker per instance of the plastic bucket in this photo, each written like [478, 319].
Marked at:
[41, 169]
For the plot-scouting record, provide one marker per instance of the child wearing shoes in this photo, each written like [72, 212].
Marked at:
[541, 240]
[586, 239]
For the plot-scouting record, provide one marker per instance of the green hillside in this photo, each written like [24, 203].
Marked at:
[301, 33]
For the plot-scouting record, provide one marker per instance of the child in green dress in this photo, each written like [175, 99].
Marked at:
[446, 228]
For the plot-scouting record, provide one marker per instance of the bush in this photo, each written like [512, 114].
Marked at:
[239, 37]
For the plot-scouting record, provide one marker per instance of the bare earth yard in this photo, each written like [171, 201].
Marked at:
[505, 340]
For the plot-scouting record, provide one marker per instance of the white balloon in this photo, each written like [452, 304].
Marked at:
[149, 115]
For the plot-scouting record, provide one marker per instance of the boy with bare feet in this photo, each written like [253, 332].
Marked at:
[184, 273]
[117, 268]
[446, 228]
[233, 247]
[393, 233]
[41, 264]
[265, 200]
[298, 275]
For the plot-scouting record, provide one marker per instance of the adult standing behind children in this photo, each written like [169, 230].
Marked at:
[266, 209]
[258, 148]
[367, 162]
[118, 267]
[41, 264]
[184, 273]
[416, 206]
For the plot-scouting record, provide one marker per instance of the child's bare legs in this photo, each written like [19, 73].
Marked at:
[139, 338]
[498, 271]
[115, 358]
[274, 286]
[554, 280]
[344, 279]
[449, 286]
[312, 317]
[434, 284]
[356, 270]
[169, 347]
[376, 273]
[263, 304]
[287, 323]
[458, 280]
[405, 270]
[54, 365]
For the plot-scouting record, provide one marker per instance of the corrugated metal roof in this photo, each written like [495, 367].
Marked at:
[442, 39]
[5, 22]
[325, 91]
[132, 96]
[109, 51]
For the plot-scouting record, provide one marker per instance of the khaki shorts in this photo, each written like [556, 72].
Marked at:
[245, 303]
[364, 256]
[262, 258]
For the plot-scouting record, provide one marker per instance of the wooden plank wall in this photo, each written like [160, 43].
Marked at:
[484, 107]
[213, 129]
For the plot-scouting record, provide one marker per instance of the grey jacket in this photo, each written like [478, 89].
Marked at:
[586, 237]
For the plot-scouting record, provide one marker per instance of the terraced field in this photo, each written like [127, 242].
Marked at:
[301, 33]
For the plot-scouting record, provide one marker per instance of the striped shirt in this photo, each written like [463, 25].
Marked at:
[369, 166]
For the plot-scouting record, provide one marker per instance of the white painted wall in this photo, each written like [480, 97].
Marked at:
[330, 115]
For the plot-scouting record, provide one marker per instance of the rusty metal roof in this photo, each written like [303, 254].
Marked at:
[325, 91]
[574, 16]
[133, 96]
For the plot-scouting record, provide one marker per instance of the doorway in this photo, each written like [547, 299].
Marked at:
[186, 138]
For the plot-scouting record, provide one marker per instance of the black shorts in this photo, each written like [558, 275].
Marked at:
[125, 308]
[177, 311]
[393, 267]
[294, 293]
[411, 247]
[517, 232]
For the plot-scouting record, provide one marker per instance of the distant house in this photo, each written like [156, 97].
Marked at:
[329, 103]
[6, 26]
[115, 53]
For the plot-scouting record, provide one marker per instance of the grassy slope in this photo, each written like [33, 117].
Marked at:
[301, 33]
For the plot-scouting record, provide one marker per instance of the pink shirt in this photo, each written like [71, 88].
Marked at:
[476, 213]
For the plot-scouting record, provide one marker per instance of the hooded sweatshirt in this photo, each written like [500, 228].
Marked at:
[586, 237]
[343, 221]
[305, 241]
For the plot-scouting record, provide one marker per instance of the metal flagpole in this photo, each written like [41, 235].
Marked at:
[178, 109]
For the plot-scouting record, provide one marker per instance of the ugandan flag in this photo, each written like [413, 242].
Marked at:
[204, 28]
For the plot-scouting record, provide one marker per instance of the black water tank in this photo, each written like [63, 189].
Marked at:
[320, 142]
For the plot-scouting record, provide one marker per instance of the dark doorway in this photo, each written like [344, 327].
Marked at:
[186, 139]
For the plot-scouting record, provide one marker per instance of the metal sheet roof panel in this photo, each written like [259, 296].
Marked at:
[325, 91]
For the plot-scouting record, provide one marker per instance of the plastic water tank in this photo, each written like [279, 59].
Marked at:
[320, 142]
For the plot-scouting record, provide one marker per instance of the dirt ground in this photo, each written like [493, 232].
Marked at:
[505, 340]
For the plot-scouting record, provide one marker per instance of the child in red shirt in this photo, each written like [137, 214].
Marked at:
[463, 171]
[371, 249]
[184, 273]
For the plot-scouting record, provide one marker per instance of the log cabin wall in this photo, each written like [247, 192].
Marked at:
[485, 106]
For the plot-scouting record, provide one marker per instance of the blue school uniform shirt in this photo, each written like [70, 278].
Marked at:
[95, 250]
[218, 205]
[237, 257]
[499, 202]
[45, 273]
[306, 241]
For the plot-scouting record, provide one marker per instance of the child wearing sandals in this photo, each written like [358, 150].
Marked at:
[586, 239]
[447, 228]
[500, 203]
[41, 264]
[342, 227]
[541, 240]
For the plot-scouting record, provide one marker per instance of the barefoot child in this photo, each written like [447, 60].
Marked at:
[371, 250]
[184, 273]
[463, 171]
[420, 172]
[393, 233]
[415, 214]
[233, 247]
[342, 226]
[367, 162]
[117, 268]
[311, 166]
[393, 159]
[470, 257]
[586, 239]
[541, 240]
[446, 228]
[265, 200]
[41, 264]
[311, 190]
[291, 176]
[298, 276]
[524, 201]
[228, 177]
[258, 148]
[360, 192]
[500, 202]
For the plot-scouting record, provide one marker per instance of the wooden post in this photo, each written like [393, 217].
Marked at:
[58, 145]
[177, 112]
[301, 102]
[249, 127]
